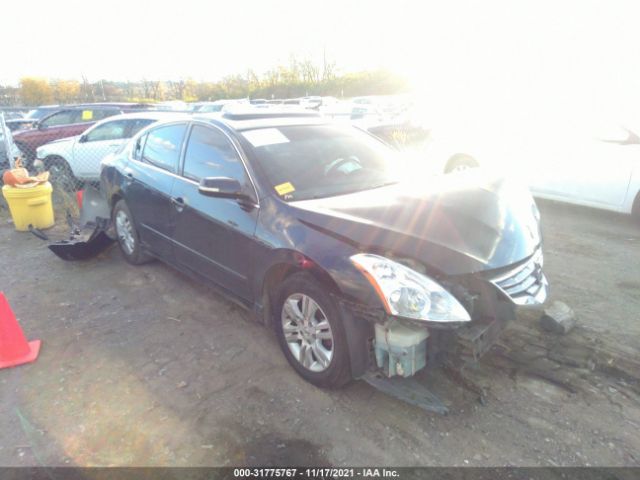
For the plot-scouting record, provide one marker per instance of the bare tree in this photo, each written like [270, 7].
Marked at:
[177, 89]
[86, 90]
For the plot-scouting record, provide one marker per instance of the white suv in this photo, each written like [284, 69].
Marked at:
[79, 157]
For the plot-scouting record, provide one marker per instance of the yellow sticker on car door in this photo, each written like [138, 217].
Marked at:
[87, 115]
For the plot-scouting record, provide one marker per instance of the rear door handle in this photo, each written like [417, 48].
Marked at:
[178, 202]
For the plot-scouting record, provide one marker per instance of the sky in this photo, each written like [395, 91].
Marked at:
[461, 52]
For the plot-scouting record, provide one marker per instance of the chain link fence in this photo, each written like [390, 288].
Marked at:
[70, 142]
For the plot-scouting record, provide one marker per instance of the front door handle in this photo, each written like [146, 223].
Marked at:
[178, 202]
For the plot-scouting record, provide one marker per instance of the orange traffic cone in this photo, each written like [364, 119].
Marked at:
[79, 195]
[14, 348]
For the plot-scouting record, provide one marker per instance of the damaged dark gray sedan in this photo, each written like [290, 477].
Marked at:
[308, 224]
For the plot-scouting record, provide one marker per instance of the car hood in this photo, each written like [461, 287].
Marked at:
[455, 224]
[60, 142]
[64, 140]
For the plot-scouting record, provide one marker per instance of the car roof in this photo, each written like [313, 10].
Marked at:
[238, 121]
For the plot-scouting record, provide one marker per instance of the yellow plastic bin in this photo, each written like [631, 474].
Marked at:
[30, 206]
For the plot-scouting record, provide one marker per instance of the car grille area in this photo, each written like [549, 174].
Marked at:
[526, 283]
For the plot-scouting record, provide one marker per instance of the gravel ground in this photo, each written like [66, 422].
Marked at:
[142, 366]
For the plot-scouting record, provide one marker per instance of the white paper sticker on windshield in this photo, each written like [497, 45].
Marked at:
[265, 136]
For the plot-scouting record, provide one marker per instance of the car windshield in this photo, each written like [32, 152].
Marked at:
[305, 162]
[38, 113]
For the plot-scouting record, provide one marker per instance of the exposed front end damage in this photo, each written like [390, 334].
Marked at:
[399, 348]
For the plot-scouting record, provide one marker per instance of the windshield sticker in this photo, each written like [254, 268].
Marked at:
[284, 188]
[265, 136]
[87, 114]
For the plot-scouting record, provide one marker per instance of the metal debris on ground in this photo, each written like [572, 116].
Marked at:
[88, 238]
[408, 390]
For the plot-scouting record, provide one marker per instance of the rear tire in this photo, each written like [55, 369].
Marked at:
[61, 174]
[127, 235]
[460, 162]
[324, 348]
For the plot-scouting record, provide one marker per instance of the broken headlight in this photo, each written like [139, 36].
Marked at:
[407, 293]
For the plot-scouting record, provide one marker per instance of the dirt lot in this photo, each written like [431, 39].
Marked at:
[142, 366]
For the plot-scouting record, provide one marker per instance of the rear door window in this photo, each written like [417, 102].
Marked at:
[163, 146]
[61, 118]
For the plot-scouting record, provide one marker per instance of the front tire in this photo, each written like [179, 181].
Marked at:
[127, 235]
[311, 333]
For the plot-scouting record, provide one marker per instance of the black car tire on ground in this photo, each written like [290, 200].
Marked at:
[136, 256]
[338, 373]
[460, 161]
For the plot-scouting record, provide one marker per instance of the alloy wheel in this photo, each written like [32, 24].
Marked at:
[307, 332]
[124, 229]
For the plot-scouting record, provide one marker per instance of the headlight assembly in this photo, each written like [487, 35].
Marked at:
[407, 293]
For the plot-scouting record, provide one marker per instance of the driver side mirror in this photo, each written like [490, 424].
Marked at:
[224, 187]
[221, 187]
[82, 139]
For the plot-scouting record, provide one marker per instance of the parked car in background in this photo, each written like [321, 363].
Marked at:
[435, 152]
[585, 160]
[311, 102]
[78, 158]
[12, 114]
[67, 122]
[307, 223]
[216, 106]
[172, 106]
[18, 124]
[591, 164]
[8, 149]
[43, 110]
[30, 119]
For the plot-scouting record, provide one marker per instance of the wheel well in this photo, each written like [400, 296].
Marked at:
[279, 272]
[115, 198]
[50, 158]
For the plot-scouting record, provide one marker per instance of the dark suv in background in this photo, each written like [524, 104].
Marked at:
[65, 122]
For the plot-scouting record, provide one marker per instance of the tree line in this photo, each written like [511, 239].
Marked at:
[299, 78]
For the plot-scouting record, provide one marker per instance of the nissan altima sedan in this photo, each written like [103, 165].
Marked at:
[312, 226]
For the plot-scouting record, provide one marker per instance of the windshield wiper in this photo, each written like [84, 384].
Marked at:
[348, 192]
